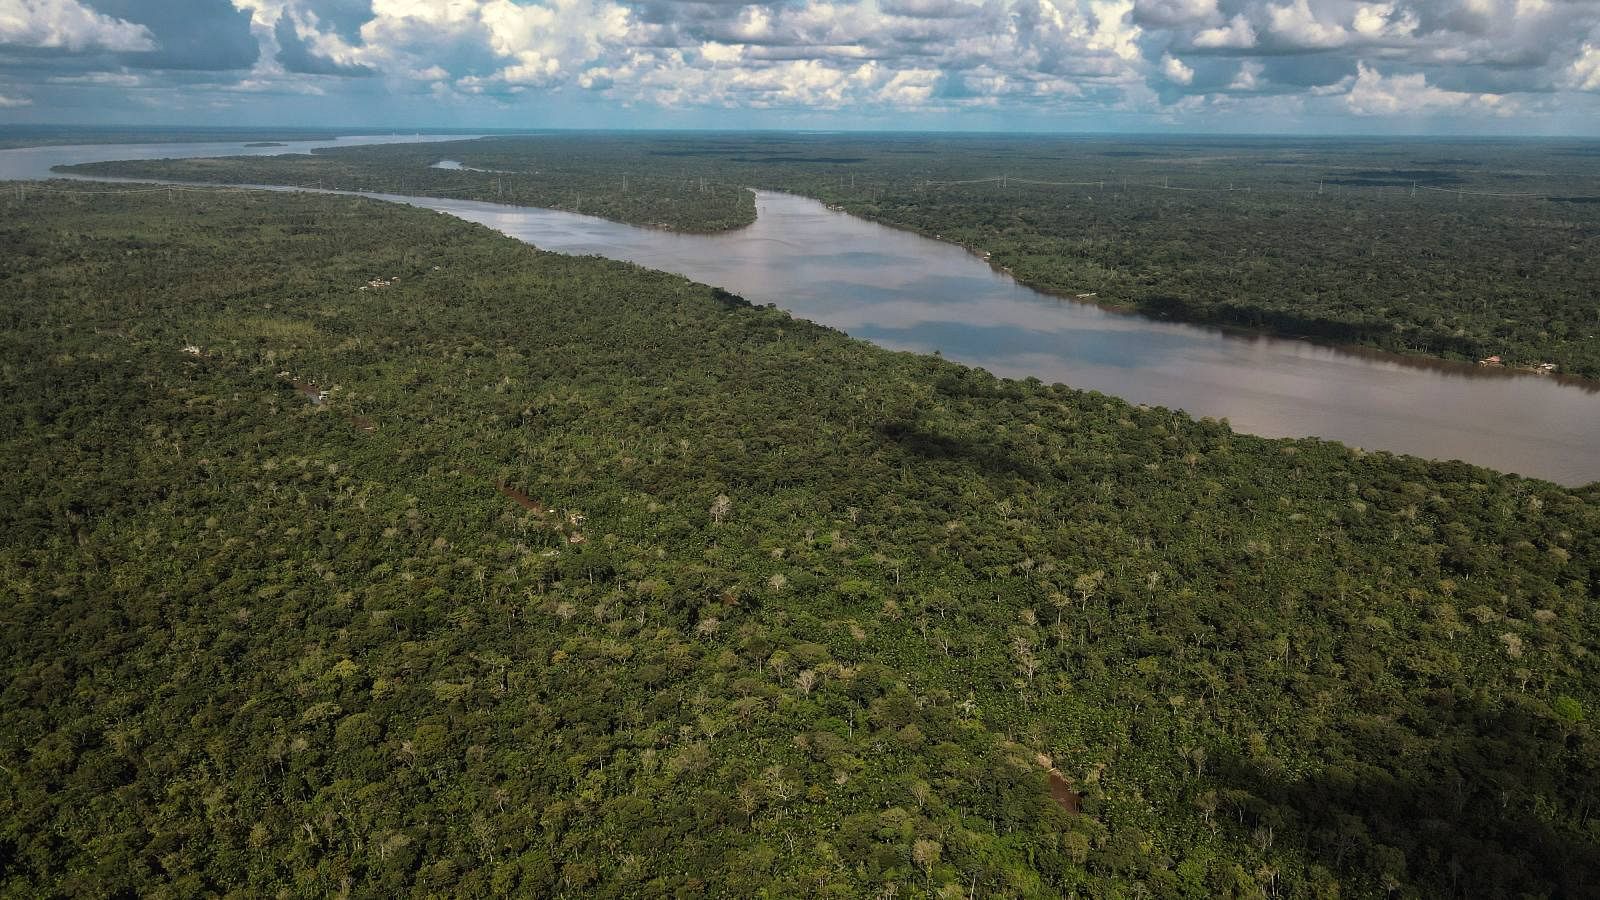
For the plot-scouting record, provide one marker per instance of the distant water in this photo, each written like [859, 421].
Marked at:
[35, 162]
[907, 292]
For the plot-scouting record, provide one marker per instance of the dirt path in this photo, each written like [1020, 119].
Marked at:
[522, 500]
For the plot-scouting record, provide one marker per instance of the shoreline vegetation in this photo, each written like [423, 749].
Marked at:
[1401, 355]
[582, 578]
[1455, 250]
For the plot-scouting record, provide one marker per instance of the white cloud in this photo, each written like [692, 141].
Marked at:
[1044, 55]
[1249, 77]
[1374, 94]
[1237, 35]
[531, 68]
[491, 46]
[122, 79]
[1377, 21]
[68, 25]
[1342, 86]
[271, 85]
[1175, 71]
[929, 9]
[1113, 30]
[1169, 13]
[9, 102]
[1297, 24]
[712, 51]
[1584, 73]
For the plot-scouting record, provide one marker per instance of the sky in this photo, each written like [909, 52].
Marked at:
[1474, 67]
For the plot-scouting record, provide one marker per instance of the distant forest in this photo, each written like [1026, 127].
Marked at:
[349, 549]
[1456, 249]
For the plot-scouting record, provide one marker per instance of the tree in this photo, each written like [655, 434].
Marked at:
[1086, 585]
[1568, 709]
[925, 853]
[720, 508]
[1027, 662]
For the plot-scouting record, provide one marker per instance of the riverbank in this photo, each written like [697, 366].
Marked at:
[1319, 334]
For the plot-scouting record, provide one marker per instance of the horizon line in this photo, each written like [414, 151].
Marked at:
[344, 131]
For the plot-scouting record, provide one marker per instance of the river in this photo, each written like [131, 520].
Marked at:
[907, 292]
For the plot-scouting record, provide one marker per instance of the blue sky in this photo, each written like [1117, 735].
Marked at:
[1494, 67]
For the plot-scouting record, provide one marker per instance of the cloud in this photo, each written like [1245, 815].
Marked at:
[1378, 21]
[297, 56]
[1296, 24]
[1238, 34]
[1374, 94]
[344, 17]
[1048, 58]
[1175, 71]
[1584, 73]
[1169, 13]
[113, 79]
[198, 35]
[68, 25]
[929, 9]
[494, 47]
[1249, 77]
[10, 102]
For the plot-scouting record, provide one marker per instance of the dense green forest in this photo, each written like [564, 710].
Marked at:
[588, 580]
[1459, 249]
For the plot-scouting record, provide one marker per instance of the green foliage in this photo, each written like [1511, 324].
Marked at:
[468, 628]
[1568, 709]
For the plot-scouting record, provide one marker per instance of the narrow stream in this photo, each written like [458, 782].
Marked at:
[907, 292]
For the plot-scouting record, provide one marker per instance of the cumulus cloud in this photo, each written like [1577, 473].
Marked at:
[68, 25]
[1374, 94]
[1296, 24]
[1249, 77]
[201, 35]
[343, 17]
[494, 47]
[1175, 70]
[929, 9]
[1376, 21]
[1238, 34]
[1139, 57]
[1584, 74]
[1169, 13]
[297, 55]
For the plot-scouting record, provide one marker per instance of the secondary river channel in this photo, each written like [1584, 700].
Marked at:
[906, 292]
